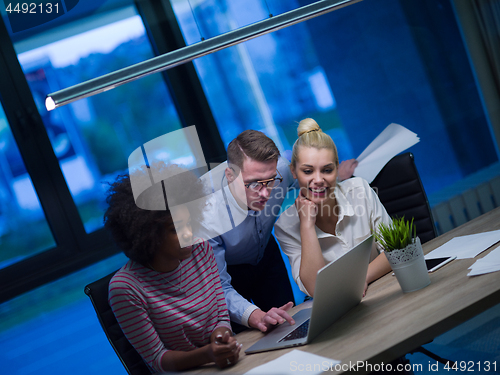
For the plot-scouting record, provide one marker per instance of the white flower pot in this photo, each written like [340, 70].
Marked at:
[409, 267]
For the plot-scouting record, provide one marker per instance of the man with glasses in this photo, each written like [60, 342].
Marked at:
[240, 216]
[251, 187]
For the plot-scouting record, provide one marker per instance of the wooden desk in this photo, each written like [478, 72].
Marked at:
[388, 324]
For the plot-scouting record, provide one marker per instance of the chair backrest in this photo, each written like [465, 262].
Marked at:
[401, 192]
[130, 358]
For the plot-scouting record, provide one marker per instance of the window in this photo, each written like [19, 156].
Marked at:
[19, 205]
[93, 138]
[72, 153]
[355, 71]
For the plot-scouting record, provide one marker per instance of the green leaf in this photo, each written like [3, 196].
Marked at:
[396, 235]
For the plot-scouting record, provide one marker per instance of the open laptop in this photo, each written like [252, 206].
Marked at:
[339, 287]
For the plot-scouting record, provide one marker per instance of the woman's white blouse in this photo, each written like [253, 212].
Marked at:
[359, 214]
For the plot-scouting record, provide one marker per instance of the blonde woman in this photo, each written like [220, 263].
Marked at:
[329, 218]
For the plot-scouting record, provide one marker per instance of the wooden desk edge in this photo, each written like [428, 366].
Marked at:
[487, 222]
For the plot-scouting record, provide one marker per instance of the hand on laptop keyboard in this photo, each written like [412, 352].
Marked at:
[265, 321]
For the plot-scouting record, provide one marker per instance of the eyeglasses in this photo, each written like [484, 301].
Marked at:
[269, 184]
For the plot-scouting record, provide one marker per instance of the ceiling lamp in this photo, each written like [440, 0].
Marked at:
[189, 53]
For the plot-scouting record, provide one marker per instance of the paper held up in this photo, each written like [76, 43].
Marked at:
[393, 140]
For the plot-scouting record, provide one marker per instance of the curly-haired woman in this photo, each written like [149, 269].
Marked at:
[167, 298]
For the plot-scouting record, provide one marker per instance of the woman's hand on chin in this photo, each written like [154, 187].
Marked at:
[307, 211]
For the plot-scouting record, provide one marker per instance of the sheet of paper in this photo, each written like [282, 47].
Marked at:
[296, 361]
[466, 246]
[393, 140]
[487, 264]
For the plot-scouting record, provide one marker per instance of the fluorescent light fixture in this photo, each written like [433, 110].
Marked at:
[189, 53]
[49, 103]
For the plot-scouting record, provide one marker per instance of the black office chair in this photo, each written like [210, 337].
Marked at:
[400, 190]
[131, 360]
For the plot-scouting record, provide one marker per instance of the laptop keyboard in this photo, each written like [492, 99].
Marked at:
[297, 333]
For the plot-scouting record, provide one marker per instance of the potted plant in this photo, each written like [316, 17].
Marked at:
[404, 251]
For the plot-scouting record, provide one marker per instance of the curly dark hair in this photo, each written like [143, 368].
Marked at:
[140, 232]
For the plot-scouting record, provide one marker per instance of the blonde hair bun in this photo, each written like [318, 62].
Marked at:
[311, 135]
[307, 125]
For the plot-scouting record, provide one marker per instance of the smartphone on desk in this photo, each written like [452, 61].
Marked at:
[435, 264]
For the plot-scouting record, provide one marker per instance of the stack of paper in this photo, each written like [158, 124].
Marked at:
[294, 362]
[490, 263]
[393, 140]
[466, 246]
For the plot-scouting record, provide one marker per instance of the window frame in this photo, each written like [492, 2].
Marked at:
[75, 248]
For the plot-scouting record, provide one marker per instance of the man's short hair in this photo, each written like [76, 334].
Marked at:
[254, 145]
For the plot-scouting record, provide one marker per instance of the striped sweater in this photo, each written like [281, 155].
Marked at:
[178, 310]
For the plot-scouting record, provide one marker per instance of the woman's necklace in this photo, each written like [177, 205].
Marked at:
[179, 284]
